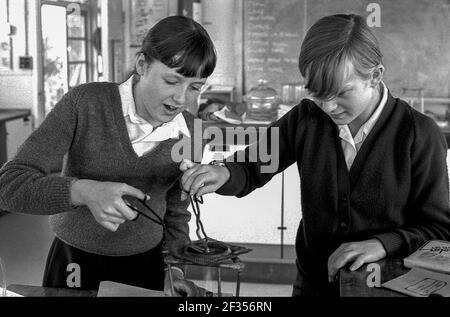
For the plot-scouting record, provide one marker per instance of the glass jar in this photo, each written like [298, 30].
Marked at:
[262, 102]
[292, 93]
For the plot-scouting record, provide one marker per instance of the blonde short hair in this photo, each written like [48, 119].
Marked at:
[329, 44]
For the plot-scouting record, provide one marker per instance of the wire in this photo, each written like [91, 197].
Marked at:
[204, 251]
[196, 209]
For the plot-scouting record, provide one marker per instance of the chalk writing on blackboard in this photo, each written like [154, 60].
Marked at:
[145, 14]
[413, 34]
[270, 46]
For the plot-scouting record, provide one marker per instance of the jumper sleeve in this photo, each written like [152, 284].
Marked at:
[26, 183]
[177, 220]
[276, 149]
[429, 195]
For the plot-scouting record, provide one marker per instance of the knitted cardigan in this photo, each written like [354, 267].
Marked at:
[88, 130]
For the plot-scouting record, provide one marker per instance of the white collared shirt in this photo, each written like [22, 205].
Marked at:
[351, 145]
[143, 136]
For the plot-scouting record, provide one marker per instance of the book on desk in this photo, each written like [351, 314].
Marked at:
[429, 274]
[421, 283]
[434, 255]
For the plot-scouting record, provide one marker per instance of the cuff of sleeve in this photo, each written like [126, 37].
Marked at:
[392, 243]
[236, 182]
[61, 198]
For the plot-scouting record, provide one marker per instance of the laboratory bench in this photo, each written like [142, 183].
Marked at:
[351, 284]
[362, 282]
[7, 115]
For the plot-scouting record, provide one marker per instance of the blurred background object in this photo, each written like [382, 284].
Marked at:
[262, 102]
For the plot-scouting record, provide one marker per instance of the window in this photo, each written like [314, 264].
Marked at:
[69, 57]
[77, 46]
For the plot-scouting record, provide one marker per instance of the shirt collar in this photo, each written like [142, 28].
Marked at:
[128, 104]
[172, 128]
[368, 125]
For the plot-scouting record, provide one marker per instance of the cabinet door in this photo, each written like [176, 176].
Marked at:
[256, 217]
[17, 132]
[251, 219]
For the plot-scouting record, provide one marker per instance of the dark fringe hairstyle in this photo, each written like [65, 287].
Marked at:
[181, 43]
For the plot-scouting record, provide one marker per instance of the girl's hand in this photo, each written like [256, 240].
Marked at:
[104, 200]
[357, 252]
[182, 287]
[201, 179]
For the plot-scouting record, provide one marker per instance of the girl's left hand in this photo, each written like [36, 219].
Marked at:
[359, 252]
[182, 287]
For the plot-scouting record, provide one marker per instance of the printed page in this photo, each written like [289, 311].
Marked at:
[421, 283]
[434, 255]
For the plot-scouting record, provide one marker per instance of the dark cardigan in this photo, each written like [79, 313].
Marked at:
[396, 191]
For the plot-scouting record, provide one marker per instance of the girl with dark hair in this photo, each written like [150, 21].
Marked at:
[116, 140]
[374, 180]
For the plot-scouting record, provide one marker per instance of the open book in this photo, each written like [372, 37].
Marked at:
[113, 289]
[433, 255]
[421, 283]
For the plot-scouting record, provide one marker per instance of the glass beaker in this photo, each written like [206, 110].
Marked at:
[262, 102]
[300, 93]
[292, 93]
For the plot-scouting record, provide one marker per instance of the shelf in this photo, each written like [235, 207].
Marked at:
[12, 114]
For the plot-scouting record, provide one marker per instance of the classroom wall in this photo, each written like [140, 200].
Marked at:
[16, 85]
[219, 21]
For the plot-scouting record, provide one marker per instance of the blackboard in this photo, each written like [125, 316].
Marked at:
[144, 14]
[414, 36]
[273, 31]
